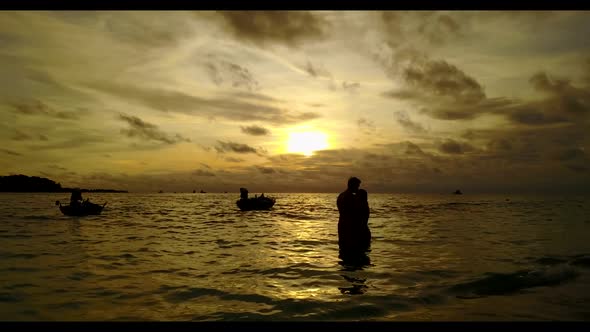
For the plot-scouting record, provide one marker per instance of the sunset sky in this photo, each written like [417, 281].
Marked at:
[297, 101]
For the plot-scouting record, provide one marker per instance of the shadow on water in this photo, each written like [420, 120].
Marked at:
[351, 262]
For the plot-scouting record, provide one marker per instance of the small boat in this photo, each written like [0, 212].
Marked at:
[85, 209]
[457, 192]
[258, 203]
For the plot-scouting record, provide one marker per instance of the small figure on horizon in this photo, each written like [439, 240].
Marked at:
[457, 192]
[262, 195]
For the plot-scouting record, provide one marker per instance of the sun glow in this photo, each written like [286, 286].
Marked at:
[306, 142]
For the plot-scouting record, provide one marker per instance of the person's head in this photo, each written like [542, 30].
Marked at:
[354, 184]
[76, 194]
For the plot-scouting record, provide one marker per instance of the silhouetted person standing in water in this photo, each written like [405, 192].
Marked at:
[349, 217]
[361, 231]
[354, 235]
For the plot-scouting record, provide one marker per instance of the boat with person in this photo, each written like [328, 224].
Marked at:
[84, 209]
[257, 203]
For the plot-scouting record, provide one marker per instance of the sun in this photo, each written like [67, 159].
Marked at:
[306, 142]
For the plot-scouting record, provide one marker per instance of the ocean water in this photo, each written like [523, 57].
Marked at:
[197, 257]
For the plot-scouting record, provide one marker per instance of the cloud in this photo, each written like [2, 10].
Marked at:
[10, 152]
[351, 87]
[316, 71]
[404, 120]
[37, 107]
[265, 170]
[223, 147]
[264, 27]
[444, 92]
[201, 172]
[255, 130]
[145, 29]
[438, 29]
[22, 136]
[440, 78]
[450, 146]
[141, 129]
[236, 107]
[233, 160]
[240, 77]
[367, 125]
[569, 154]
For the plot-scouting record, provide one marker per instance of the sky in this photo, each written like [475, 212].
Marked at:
[425, 101]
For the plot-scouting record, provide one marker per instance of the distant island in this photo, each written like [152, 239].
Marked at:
[32, 184]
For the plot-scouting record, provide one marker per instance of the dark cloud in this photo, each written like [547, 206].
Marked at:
[201, 172]
[316, 71]
[239, 77]
[351, 87]
[570, 154]
[440, 78]
[10, 152]
[253, 96]
[149, 29]
[404, 120]
[237, 108]
[37, 107]
[534, 117]
[287, 27]
[439, 29]
[444, 92]
[450, 146]
[233, 160]
[255, 131]
[367, 125]
[265, 170]
[500, 144]
[57, 167]
[413, 149]
[78, 140]
[223, 147]
[20, 136]
[578, 168]
[141, 129]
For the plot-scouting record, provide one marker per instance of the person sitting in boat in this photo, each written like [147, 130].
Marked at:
[243, 193]
[76, 198]
[262, 195]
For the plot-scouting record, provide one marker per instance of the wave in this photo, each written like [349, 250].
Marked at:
[509, 283]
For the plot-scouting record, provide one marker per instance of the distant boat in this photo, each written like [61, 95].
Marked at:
[194, 191]
[85, 209]
[203, 192]
[161, 191]
[258, 203]
[457, 192]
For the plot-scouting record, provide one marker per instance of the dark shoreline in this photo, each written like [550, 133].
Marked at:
[34, 184]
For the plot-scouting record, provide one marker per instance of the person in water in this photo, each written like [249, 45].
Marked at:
[346, 209]
[353, 228]
[361, 220]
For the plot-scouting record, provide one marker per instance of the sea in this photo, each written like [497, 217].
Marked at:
[197, 257]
